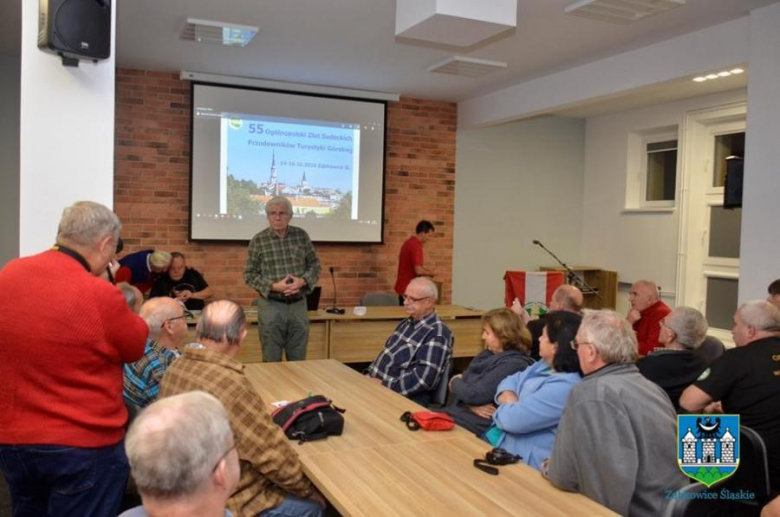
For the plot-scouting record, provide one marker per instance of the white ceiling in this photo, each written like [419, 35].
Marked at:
[352, 43]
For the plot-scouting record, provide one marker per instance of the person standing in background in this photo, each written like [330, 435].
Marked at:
[410, 259]
[283, 268]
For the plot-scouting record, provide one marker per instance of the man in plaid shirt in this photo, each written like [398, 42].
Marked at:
[167, 322]
[272, 480]
[282, 266]
[414, 356]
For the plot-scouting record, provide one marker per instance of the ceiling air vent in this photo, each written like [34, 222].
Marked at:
[466, 66]
[621, 11]
[217, 33]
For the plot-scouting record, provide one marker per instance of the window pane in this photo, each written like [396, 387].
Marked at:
[662, 146]
[661, 175]
[725, 227]
[721, 302]
[725, 146]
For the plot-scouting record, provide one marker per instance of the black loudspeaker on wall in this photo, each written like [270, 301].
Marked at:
[75, 29]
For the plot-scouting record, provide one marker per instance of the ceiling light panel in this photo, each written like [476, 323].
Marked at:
[217, 33]
[466, 66]
[621, 11]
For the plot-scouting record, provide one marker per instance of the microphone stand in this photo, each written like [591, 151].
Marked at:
[334, 309]
[572, 277]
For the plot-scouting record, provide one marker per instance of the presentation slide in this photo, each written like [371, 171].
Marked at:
[326, 155]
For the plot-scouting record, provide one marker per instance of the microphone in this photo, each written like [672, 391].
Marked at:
[537, 242]
[334, 309]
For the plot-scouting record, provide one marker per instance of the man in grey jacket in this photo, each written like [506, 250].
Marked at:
[616, 442]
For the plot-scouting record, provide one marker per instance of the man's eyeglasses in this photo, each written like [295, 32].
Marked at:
[277, 214]
[234, 446]
[574, 344]
[187, 314]
[412, 299]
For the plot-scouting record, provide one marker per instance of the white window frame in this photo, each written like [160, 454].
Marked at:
[636, 178]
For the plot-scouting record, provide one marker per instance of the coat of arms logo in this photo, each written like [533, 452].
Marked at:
[708, 446]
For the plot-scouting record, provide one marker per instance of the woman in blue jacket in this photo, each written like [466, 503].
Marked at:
[530, 403]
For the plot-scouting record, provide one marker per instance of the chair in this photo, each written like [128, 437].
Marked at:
[753, 472]
[378, 298]
[440, 394]
[685, 503]
[711, 349]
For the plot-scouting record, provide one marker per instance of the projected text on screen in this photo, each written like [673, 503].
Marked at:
[314, 164]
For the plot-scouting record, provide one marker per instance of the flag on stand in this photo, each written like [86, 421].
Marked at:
[533, 289]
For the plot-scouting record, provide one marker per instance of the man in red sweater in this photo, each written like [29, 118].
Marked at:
[410, 260]
[65, 336]
[647, 311]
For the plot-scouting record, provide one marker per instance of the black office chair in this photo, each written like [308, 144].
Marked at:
[753, 471]
[711, 349]
[685, 504]
[440, 394]
[379, 298]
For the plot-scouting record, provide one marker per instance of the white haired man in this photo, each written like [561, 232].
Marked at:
[184, 457]
[647, 311]
[167, 322]
[142, 268]
[283, 268]
[413, 359]
[746, 379]
[65, 336]
[616, 439]
[675, 366]
[272, 479]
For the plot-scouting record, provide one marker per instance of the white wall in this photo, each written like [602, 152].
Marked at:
[760, 245]
[717, 47]
[635, 244]
[66, 138]
[9, 158]
[514, 183]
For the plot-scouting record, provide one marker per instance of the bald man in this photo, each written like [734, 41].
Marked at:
[272, 477]
[167, 322]
[647, 311]
[565, 298]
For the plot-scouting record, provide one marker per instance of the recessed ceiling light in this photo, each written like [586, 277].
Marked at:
[724, 74]
[737, 71]
[219, 33]
[621, 11]
[467, 66]
[700, 79]
[711, 76]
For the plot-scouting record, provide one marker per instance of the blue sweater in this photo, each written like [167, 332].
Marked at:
[529, 425]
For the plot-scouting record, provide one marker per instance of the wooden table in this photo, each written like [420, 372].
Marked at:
[353, 339]
[378, 467]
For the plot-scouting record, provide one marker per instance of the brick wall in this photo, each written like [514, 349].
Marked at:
[151, 190]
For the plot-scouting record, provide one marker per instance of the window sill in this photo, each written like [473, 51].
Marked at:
[654, 209]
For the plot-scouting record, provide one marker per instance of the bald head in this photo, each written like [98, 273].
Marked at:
[157, 311]
[567, 298]
[222, 322]
[643, 294]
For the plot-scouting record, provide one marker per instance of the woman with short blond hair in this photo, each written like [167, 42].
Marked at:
[506, 340]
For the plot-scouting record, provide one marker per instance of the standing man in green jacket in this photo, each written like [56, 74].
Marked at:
[282, 266]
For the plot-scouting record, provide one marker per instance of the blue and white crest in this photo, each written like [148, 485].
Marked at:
[708, 446]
